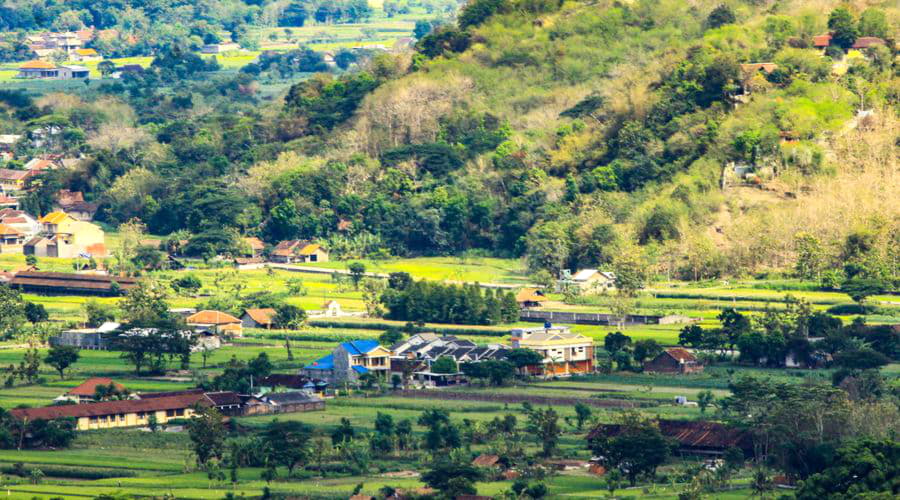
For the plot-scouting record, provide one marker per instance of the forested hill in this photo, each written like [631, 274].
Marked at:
[569, 133]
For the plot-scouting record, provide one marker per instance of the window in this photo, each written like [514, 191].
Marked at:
[179, 412]
[170, 413]
[121, 417]
[94, 420]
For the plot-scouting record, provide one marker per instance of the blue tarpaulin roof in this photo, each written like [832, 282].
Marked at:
[326, 363]
[360, 346]
[360, 369]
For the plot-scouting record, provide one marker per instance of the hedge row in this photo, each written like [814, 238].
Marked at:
[374, 325]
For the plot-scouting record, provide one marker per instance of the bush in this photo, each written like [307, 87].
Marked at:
[851, 309]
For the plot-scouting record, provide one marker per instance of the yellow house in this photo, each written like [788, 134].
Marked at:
[65, 236]
[563, 352]
[125, 413]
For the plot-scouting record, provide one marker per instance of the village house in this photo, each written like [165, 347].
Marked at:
[693, 437]
[72, 203]
[277, 381]
[9, 202]
[11, 240]
[255, 246]
[298, 251]
[564, 353]
[7, 145]
[258, 318]
[13, 180]
[675, 360]
[67, 237]
[86, 392]
[124, 413]
[529, 298]
[20, 221]
[71, 283]
[332, 309]
[865, 42]
[50, 71]
[85, 55]
[216, 322]
[219, 48]
[593, 281]
[97, 339]
[349, 360]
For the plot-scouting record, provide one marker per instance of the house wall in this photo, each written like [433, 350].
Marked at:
[131, 419]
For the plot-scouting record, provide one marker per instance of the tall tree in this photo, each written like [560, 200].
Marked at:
[207, 432]
[61, 357]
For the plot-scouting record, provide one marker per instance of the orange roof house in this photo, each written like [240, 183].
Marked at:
[217, 322]
[37, 64]
[258, 318]
[87, 390]
[530, 297]
[294, 251]
[822, 41]
[256, 245]
[864, 42]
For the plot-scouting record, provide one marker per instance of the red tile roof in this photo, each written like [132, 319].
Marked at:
[111, 407]
[865, 42]
[822, 40]
[681, 354]
[89, 386]
[14, 175]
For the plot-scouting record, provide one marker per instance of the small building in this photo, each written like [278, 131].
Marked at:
[124, 413]
[7, 145]
[675, 360]
[332, 309]
[72, 203]
[592, 280]
[275, 381]
[216, 322]
[293, 402]
[219, 48]
[85, 55]
[67, 237]
[97, 339]
[865, 42]
[350, 360]
[528, 298]
[695, 437]
[86, 392]
[564, 353]
[258, 318]
[13, 180]
[11, 240]
[298, 251]
[73, 72]
[255, 245]
[822, 41]
[38, 69]
[50, 283]
[20, 221]
[8, 202]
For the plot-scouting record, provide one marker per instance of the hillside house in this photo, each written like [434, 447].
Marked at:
[7, 145]
[298, 251]
[258, 318]
[86, 392]
[675, 360]
[255, 246]
[9, 202]
[85, 55]
[11, 240]
[865, 42]
[13, 180]
[564, 353]
[67, 237]
[822, 42]
[332, 309]
[20, 221]
[528, 298]
[593, 281]
[72, 203]
[216, 322]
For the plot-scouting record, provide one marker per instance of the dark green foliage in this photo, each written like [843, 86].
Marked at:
[289, 316]
[36, 313]
[207, 432]
[452, 478]
[238, 374]
[616, 341]
[844, 30]
[858, 469]
[637, 449]
[478, 11]
[326, 102]
[861, 359]
[454, 304]
[497, 372]
[443, 40]
[437, 158]
[287, 64]
[344, 433]
[286, 443]
[444, 364]
[720, 16]
[61, 357]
